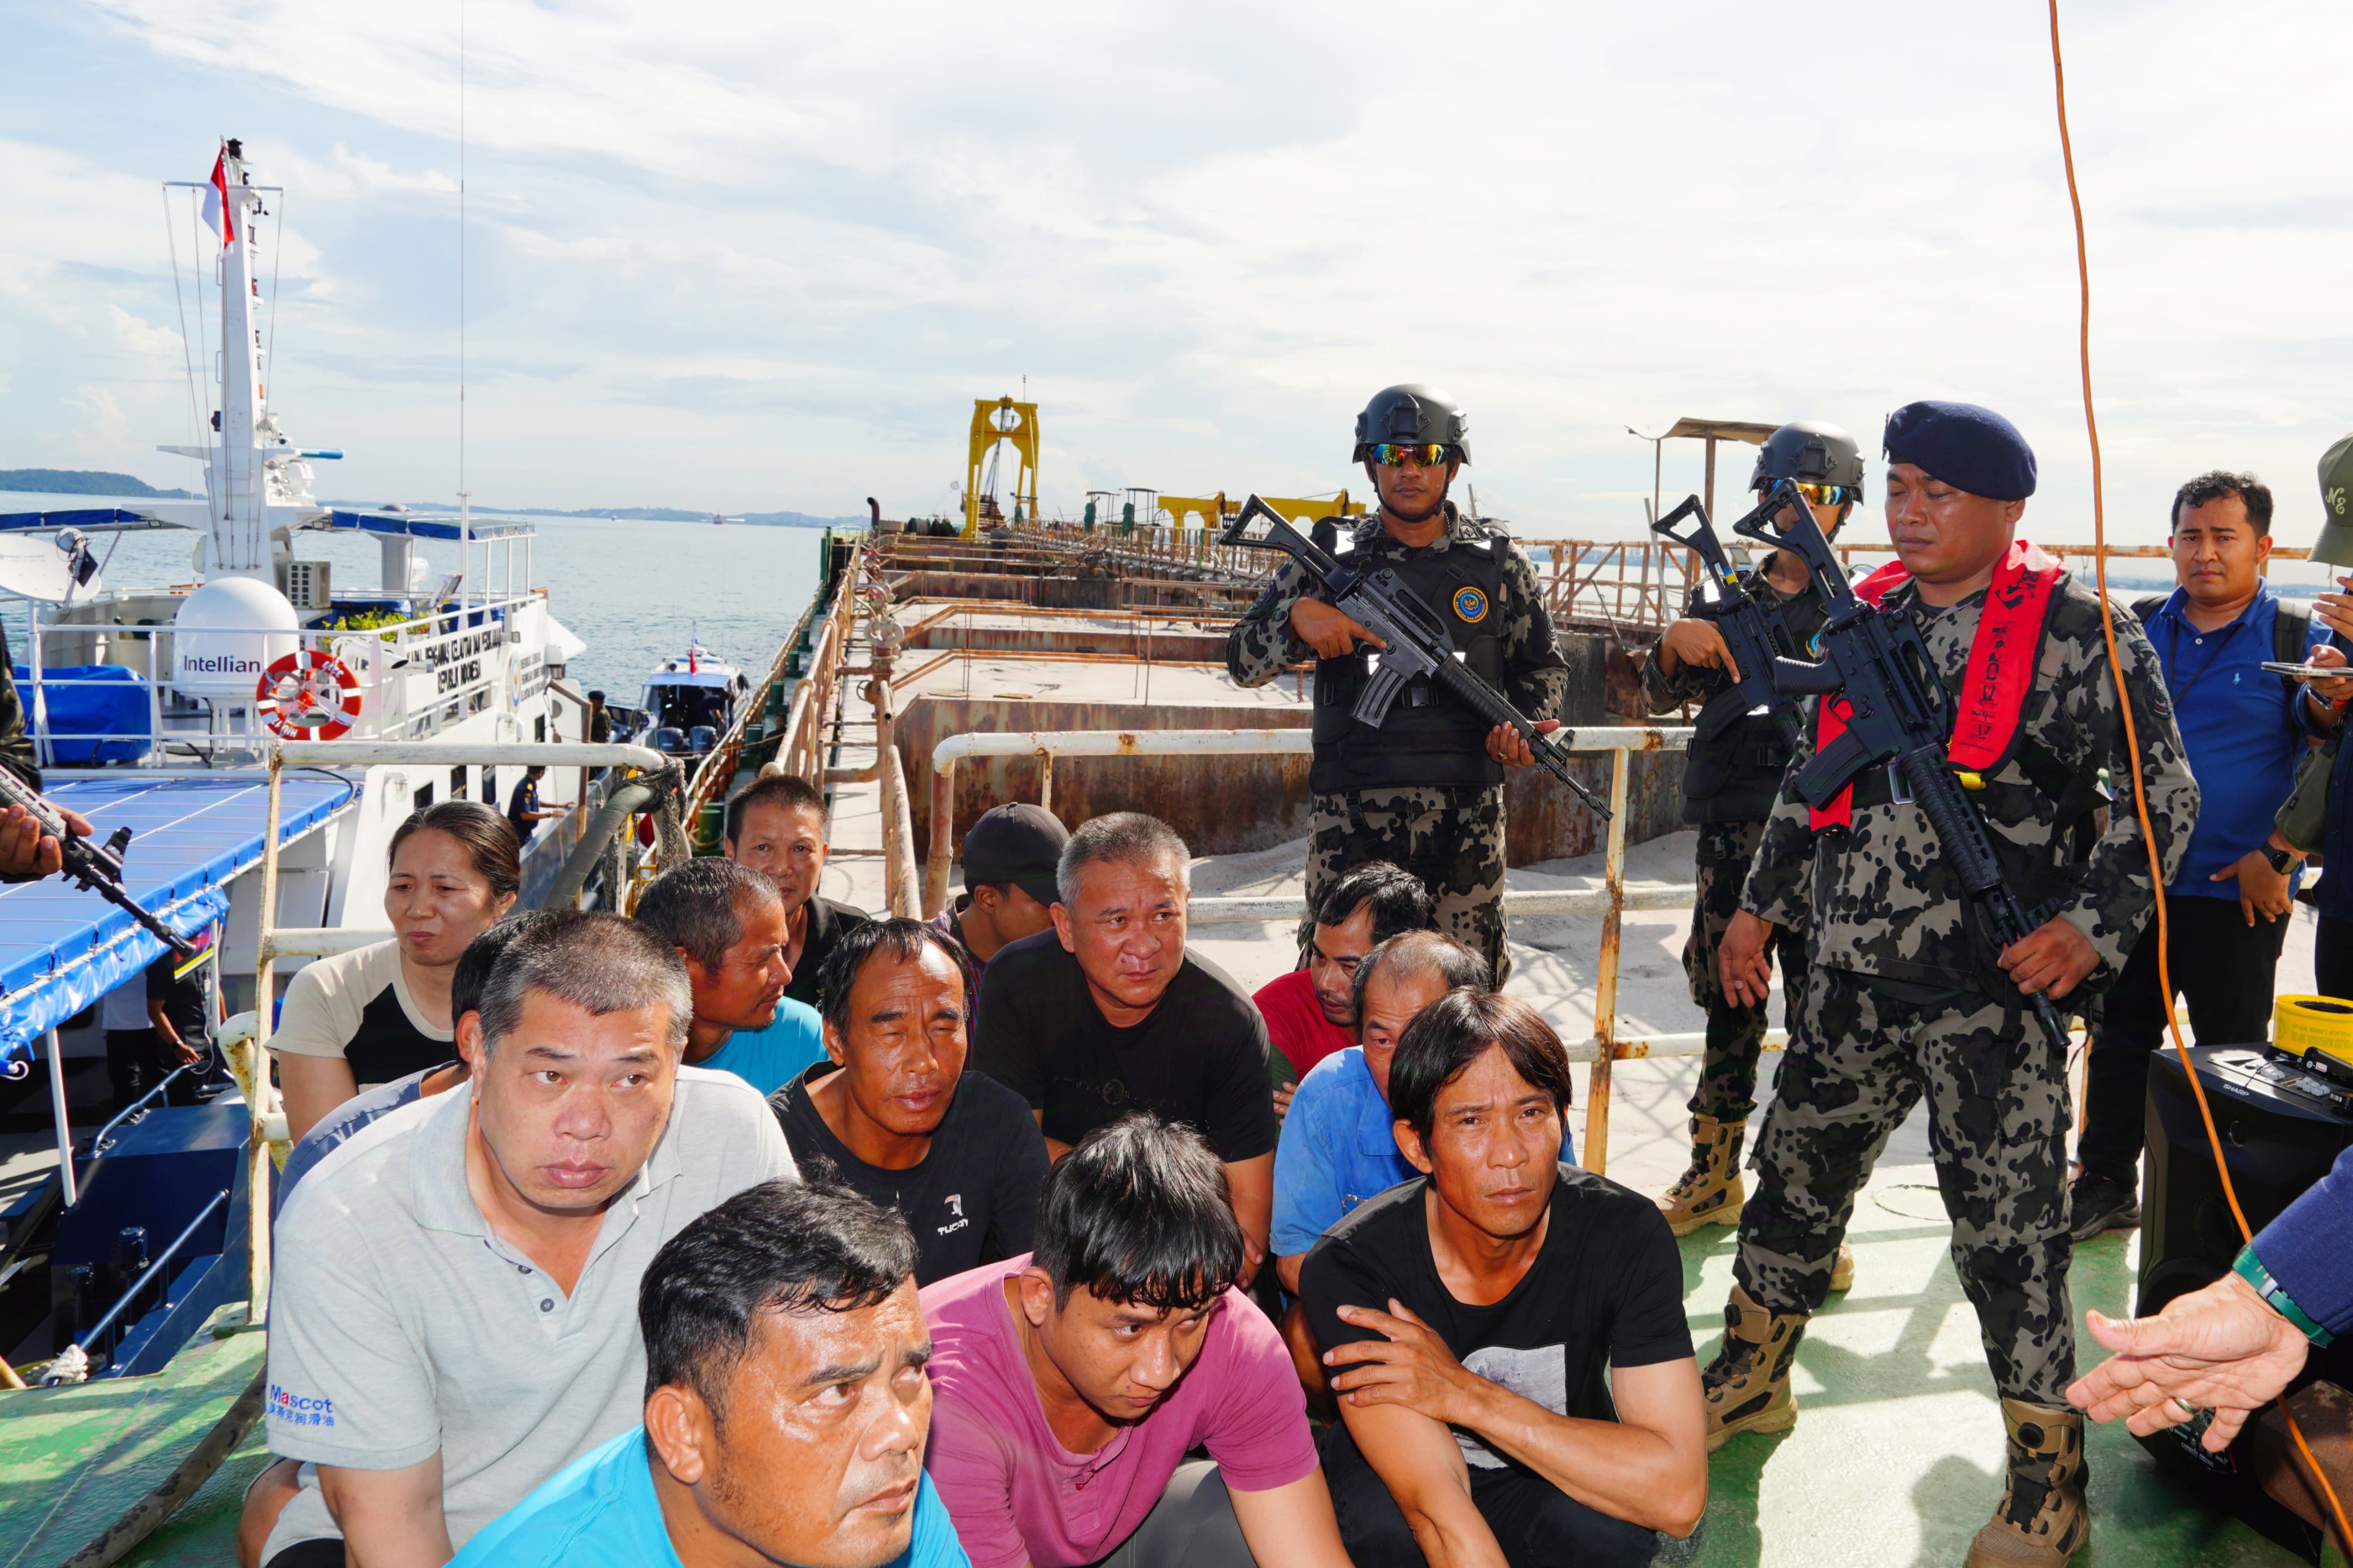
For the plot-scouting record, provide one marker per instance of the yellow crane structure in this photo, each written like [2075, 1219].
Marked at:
[994, 420]
[1215, 510]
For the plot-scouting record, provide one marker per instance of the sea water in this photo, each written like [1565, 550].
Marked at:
[634, 592]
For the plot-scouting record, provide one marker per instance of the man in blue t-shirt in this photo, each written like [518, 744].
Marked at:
[2227, 906]
[727, 922]
[1339, 1146]
[787, 1408]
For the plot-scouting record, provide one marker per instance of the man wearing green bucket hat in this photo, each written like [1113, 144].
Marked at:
[2324, 708]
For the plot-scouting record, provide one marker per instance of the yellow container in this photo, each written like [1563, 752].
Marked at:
[2301, 1025]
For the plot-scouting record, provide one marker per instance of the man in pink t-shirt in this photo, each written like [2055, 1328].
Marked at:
[1311, 1012]
[1069, 1384]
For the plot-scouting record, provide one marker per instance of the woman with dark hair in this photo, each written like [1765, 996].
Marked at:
[381, 1012]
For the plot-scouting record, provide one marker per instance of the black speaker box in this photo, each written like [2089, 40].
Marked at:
[2283, 1122]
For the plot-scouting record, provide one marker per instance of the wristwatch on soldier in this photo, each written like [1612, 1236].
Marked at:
[2282, 860]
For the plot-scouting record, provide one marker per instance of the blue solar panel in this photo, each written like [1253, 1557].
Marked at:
[61, 947]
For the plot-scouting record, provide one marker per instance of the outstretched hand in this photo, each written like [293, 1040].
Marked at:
[2221, 1347]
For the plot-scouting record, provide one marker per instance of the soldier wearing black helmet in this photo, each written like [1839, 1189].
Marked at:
[1424, 790]
[1730, 778]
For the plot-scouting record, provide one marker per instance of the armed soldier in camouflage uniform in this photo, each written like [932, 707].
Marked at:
[1425, 790]
[1906, 999]
[1730, 778]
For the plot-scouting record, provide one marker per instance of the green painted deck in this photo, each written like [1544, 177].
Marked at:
[1896, 1459]
[1897, 1455]
[72, 1459]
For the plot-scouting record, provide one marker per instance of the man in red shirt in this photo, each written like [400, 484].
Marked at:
[1310, 1012]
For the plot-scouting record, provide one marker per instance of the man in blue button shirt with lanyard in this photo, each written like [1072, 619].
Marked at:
[2244, 729]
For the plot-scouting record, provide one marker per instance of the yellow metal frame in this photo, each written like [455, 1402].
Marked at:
[986, 434]
[1215, 510]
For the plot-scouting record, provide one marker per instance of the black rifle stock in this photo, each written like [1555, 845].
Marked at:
[1418, 642]
[1899, 717]
[94, 866]
[1752, 627]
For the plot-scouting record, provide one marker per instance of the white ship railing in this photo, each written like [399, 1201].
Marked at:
[1611, 901]
[416, 675]
[265, 1120]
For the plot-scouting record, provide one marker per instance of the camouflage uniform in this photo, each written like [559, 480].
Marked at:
[15, 746]
[1450, 835]
[1899, 1004]
[1727, 1090]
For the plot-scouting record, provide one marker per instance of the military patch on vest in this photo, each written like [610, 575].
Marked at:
[1471, 604]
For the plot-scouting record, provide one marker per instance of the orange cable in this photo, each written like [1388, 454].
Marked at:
[2132, 737]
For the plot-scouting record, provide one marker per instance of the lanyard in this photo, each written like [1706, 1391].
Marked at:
[2173, 648]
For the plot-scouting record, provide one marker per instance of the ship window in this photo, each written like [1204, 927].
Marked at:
[539, 727]
[422, 799]
[458, 784]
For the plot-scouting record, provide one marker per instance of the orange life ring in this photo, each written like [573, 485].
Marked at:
[308, 696]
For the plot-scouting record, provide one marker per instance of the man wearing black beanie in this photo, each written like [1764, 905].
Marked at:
[1907, 998]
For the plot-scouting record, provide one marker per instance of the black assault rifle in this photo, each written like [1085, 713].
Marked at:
[1751, 624]
[1900, 718]
[96, 867]
[1418, 642]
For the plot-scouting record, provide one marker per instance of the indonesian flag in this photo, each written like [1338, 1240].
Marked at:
[217, 216]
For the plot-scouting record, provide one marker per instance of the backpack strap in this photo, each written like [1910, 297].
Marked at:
[2291, 632]
[2149, 605]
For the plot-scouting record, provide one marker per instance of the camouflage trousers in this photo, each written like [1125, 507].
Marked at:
[1998, 1110]
[1736, 1035]
[1451, 837]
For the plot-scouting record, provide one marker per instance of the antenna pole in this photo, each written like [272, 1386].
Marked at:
[465, 499]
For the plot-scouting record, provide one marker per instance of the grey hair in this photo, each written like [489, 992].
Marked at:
[1413, 953]
[694, 906]
[600, 963]
[1121, 837]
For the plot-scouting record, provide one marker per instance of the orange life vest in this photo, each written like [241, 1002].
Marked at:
[2002, 657]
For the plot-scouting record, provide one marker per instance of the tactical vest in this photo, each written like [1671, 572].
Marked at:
[1732, 771]
[1428, 738]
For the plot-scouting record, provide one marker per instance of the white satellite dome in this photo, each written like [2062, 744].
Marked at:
[227, 633]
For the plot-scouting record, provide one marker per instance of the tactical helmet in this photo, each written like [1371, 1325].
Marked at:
[1811, 452]
[1417, 414]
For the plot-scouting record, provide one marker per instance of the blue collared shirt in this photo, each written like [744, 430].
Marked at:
[1338, 1150]
[2239, 729]
[600, 1511]
[1335, 1152]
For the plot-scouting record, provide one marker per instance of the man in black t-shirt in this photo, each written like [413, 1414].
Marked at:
[895, 1114]
[1470, 1318]
[776, 826]
[1108, 1014]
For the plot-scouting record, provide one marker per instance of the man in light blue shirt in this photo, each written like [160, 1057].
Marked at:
[785, 1412]
[728, 923]
[1337, 1147]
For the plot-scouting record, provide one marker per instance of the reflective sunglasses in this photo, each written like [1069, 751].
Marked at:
[1392, 455]
[1828, 495]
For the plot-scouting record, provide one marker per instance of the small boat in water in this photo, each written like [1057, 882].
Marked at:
[691, 700]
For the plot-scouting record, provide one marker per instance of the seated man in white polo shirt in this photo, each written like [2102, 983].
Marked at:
[455, 1312]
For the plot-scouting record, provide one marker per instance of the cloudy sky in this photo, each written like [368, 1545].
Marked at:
[764, 256]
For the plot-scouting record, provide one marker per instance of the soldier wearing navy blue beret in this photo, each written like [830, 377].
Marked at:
[1907, 1000]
